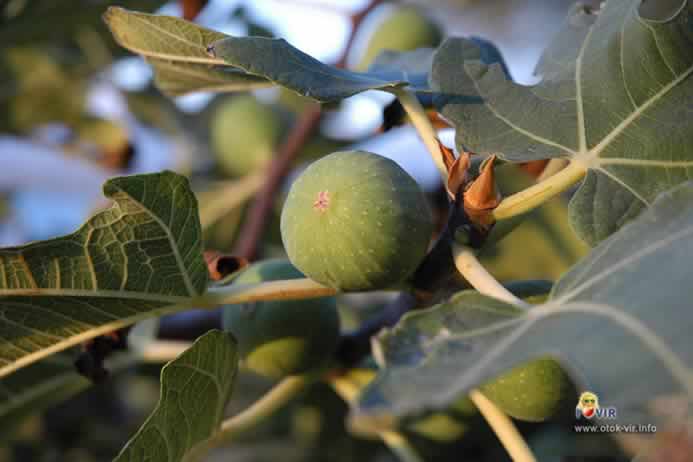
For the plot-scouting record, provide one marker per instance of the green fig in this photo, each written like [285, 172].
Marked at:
[244, 134]
[533, 391]
[405, 29]
[356, 221]
[281, 338]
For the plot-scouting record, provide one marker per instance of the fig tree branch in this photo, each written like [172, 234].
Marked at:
[532, 197]
[474, 272]
[503, 427]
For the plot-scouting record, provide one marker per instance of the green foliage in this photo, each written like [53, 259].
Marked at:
[139, 258]
[244, 134]
[600, 313]
[194, 390]
[187, 57]
[405, 29]
[610, 99]
[282, 338]
[356, 221]
[613, 98]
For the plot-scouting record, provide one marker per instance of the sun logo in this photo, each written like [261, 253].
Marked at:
[587, 405]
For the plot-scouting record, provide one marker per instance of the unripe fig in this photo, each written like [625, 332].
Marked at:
[281, 338]
[405, 29]
[244, 133]
[356, 221]
[533, 391]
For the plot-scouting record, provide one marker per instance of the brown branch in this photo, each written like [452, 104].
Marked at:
[254, 226]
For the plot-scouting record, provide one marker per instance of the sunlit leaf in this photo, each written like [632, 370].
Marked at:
[620, 322]
[283, 64]
[181, 52]
[616, 96]
[194, 390]
[139, 258]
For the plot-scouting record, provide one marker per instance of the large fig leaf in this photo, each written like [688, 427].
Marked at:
[619, 321]
[616, 97]
[182, 53]
[139, 258]
[194, 390]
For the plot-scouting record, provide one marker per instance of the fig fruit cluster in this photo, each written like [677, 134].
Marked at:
[356, 221]
[281, 338]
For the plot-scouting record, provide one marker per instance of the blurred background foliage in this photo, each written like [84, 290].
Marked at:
[77, 109]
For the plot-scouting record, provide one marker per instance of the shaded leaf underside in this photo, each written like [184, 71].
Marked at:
[619, 321]
[194, 390]
[139, 258]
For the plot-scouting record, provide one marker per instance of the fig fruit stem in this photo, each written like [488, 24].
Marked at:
[290, 289]
[554, 166]
[228, 196]
[503, 427]
[349, 390]
[423, 126]
[263, 408]
[534, 196]
[478, 277]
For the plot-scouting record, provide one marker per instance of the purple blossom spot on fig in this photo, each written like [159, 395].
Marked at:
[322, 202]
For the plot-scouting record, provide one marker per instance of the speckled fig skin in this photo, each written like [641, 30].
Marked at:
[356, 221]
[281, 338]
[533, 391]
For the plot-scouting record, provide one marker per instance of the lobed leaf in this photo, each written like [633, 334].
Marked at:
[141, 257]
[619, 321]
[194, 390]
[616, 96]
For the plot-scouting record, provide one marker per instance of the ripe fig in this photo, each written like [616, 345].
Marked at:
[244, 133]
[533, 391]
[405, 29]
[280, 338]
[356, 221]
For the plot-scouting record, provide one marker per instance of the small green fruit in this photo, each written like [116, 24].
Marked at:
[533, 391]
[405, 29]
[356, 221]
[282, 338]
[244, 135]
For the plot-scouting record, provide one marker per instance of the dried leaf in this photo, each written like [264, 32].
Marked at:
[458, 176]
[482, 195]
[221, 265]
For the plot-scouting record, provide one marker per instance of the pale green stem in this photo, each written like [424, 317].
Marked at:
[535, 195]
[503, 427]
[478, 277]
[290, 289]
[423, 126]
[265, 407]
[554, 166]
[227, 197]
[400, 446]
[397, 443]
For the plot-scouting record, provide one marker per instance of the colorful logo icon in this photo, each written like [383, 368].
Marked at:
[588, 408]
